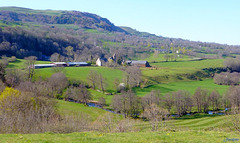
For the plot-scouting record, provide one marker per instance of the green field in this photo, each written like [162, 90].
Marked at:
[20, 63]
[177, 68]
[190, 86]
[98, 94]
[81, 73]
[160, 58]
[173, 76]
[76, 109]
[169, 77]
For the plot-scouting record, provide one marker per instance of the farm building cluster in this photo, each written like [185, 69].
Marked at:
[102, 61]
[99, 62]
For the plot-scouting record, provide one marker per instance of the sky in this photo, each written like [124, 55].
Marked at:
[198, 20]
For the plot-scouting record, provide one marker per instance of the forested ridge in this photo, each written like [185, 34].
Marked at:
[26, 32]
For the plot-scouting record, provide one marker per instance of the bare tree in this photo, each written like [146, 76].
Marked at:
[12, 59]
[57, 58]
[102, 101]
[182, 102]
[125, 125]
[116, 84]
[133, 76]
[168, 101]
[201, 99]
[78, 94]
[14, 77]
[233, 64]
[2, 86]
[151, 98]
[105, 123]
[4, 61]
[214, 99]
[226, 78]
[30, 62]
[155, 115]
[58, 82]
[101, 81]
[127, 103]
[225, 100]
[233, 96]
[2, 72]
[69, 53]
[92, 76]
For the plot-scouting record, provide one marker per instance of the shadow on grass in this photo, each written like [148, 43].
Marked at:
[196, 116]
[12, 64]
[149, 88]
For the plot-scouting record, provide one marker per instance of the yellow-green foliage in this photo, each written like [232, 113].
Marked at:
[8, 94]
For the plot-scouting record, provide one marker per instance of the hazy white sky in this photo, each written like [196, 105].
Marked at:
[198, 20]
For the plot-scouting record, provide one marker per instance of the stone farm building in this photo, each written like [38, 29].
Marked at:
[138, 63]
[101, 61]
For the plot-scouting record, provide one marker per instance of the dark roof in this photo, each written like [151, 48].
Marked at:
[103, 59]
[136, 62]
[77, 63]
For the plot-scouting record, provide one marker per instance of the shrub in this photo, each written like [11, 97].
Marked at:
[12, 59]
[25, 113]
[226, 78]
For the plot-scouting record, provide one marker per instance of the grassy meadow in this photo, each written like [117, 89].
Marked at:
[20, 63]
[138, 137]
[168, 69]
[76, 109]
[160, 58]
[168, 77]
[190, 86]
[81, 73]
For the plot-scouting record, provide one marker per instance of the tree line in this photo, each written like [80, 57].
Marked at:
[179, 102]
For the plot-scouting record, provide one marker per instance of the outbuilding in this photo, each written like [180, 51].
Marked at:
[78, 64]
[138, 63]
[60, 64]
[38, 66]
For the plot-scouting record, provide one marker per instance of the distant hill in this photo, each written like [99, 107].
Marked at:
[135, 32]
[82, 19]
[25, 32]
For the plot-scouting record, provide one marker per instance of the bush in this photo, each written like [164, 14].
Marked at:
[78, 94]
[25, 113]
[226, 78]
[12, 59]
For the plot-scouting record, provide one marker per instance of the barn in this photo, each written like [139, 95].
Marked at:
[77, 64]
[60, 64]
[138, 63]
[38, 66]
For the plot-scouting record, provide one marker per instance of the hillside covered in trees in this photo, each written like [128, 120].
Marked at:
[26, 32]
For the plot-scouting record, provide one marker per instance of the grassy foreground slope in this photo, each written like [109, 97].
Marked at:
[138, 137]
